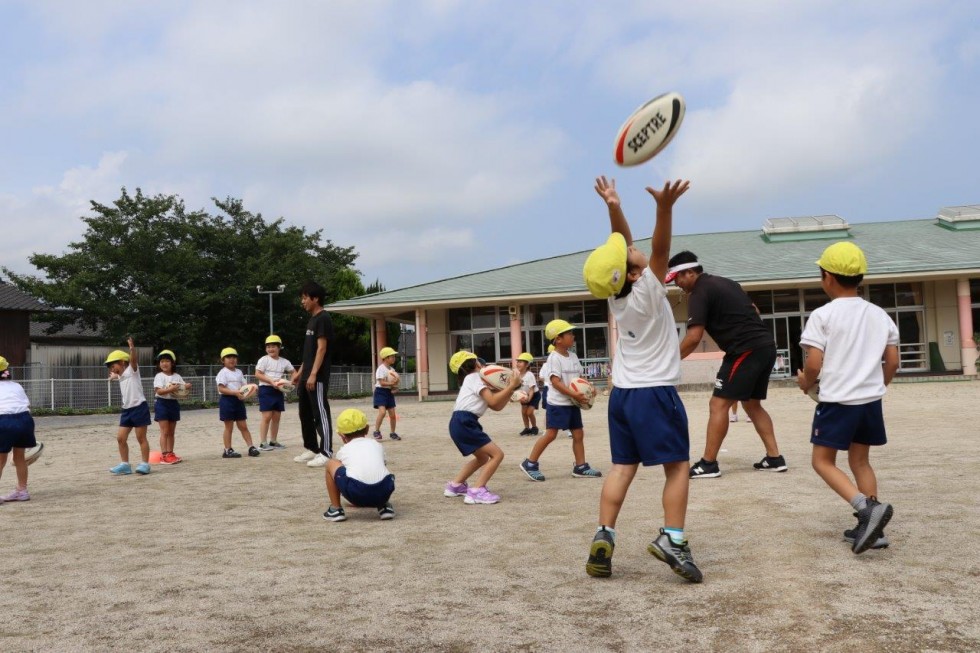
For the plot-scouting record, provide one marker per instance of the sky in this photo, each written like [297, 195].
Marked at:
[445, 137]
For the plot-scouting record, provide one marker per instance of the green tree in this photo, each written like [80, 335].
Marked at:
[187, 280]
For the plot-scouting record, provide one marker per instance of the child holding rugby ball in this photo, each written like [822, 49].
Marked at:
[272, 371]
[166, 408]
[385, 385]
[231, 408]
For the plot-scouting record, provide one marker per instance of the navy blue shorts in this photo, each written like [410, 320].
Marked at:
[384, 397]
[135, 416]
[837, 425]
[563, 417]
[648, 426]
[466, 432]
[745, 376]
[364, 495]
[270, 399]
[16, 430]
[231, 409]
[535, 400]
[544, 397]
[166, 410]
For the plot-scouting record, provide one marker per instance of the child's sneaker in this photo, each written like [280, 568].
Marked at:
[265, 446]
[16, 495]
[704, 469]
[678, 556]
[480, 495]
[455, 489]
[871, 523]
[174, 457]
[276, 445]
[532, 470]
[378, 436]
[143, 468]
[253, 452]
[305, 457]
[534, 430]
[121, 469]
[231, 453]
[732, 419]
[526, 431]
[748, 420]
[386, 512]
[394, 436]
[335, 514]
[881, 543]
[584, 471]
[167, 459]
[771, 464]
[600, 555]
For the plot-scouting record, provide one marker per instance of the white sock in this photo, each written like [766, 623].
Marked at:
[676, 535]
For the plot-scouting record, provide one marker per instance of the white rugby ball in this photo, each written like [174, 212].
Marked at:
[587, 389]
[649, 129]
[495, 376]
[519, 396]
[33, 453]
[247, 390]
[393, 378]
[285, 386]
[814, 392]
[181, 392]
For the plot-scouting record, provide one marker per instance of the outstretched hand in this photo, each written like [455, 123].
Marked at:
[670, 192]
[607, 190]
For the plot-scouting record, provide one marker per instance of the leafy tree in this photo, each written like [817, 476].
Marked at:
[187, 280]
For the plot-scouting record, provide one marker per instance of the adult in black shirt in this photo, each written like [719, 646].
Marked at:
[720, 307]
[313, 378]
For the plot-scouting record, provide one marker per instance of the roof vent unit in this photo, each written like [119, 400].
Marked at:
[811, 227]
[959, 218]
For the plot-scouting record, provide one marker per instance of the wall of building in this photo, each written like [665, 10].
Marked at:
[438, 334]
[15, 336]
[945, 324]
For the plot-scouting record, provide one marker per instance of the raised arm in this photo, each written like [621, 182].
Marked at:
[617, 220]
[663, 227]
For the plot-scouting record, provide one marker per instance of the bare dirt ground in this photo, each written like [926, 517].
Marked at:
[233, 555]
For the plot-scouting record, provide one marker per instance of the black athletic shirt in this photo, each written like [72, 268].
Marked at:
[726, 313]
[319, 326]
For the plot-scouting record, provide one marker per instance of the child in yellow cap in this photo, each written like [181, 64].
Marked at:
[385, 385]
[135, 413]
[532, 396]
[273, 371]
[231, 408]
[16, 431]
[166, 408]
[357, 471]
[845, 342]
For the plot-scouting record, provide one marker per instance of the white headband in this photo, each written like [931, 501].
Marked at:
[683, 266]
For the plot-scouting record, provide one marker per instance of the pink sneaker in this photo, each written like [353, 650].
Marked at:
[480, 495]
[16, 495]
[455, 490]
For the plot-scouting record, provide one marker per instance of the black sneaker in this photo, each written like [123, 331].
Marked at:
[526, 431]
[534, 430]
[882, 542]
[704, 469]
[231, 453]
[871, 522]
[771, 464]
[678, 556]
[386, 512]
[394, 436]
[335, 514]
[253, 452]
[600, 555]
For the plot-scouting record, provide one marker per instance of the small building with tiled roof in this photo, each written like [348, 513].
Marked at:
[15, 318]
[925, 273]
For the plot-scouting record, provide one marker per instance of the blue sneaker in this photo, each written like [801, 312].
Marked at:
[143, 468]
[121, 469]
[532, 470]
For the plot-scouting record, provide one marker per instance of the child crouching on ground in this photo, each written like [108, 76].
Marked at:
[357, 470]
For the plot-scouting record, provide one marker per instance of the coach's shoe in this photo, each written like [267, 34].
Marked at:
[386, 512]
[305, 457]
[455, 489]
[871, 523]
[881, 543]
[532, 470]
[599, 564]
[704, 469]
[16, 495]
[121, 469]
[771, 464]
[265, 446]
[231, 453]
[253, 452]
[335, 514]
[678, 556]
[584, 471]
[276, 445]
[143, 468]
[394, 436]
[480, 495]
[378, 436]
[319, 460]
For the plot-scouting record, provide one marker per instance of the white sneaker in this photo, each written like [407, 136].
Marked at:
[319, 460]
[306, 456]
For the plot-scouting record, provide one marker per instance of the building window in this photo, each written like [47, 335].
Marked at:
[904, 304]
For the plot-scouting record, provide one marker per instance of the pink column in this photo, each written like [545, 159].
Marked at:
[422, 354]
[374, 350]
[380, 339]
[516, 337]
[968, 347]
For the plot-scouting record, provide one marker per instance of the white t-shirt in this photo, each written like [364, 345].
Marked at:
[567, 368]
[852, 334]
[648, 353]
[274, 368]
[381, 375]
[131, 388]
[162, 381]
[469, 398]
[528, 384]
[13, 399]
[364, 460]
[231, 379]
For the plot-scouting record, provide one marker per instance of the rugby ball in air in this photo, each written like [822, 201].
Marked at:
[181, 392]
[519, 396]
[814, 392]
[247, 390]
[649, 129]
[587, 389]
[495, 376]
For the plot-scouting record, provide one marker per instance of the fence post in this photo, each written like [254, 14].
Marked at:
[52, 394]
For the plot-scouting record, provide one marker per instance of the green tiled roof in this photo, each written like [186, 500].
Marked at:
[893, 249]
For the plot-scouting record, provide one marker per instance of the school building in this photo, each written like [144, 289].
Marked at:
[924, 273]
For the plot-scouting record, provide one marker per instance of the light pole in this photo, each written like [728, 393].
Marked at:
[270, 293]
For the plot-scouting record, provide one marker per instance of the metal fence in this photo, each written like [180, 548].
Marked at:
[36, 371]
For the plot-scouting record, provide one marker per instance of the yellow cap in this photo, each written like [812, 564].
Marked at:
[273, 340]
[844, 258]
[3, 364]
[458, 359]
[386, 352]
[351, 421]
[526, 357]
[605, 269]
[117, 355]
[166, 353]
[228, 351]
[555, 328]
[551, 348]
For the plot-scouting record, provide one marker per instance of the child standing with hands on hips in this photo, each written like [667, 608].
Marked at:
[16, 431]
[231, 408]
[385, 384]
[136, 412]
[166, 408]
[271, 371]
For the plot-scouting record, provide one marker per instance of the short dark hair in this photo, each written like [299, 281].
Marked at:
[685, 257]
[468, 367]
[313, 290]
[844, 280]
[357, 434]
